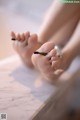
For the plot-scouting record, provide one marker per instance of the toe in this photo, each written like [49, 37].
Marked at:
[55, 58]
[22, 37]
[13, 35]
[32, 39]
[51, 54]
[18, 37]
[59, 72]
[46, 47]
[27, 35]
[55, 64]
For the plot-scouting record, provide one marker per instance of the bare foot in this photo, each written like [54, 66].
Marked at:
[25, 45]
[51, 66]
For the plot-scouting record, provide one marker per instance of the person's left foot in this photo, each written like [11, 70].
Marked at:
[25, 45]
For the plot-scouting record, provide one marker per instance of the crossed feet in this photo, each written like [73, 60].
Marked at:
[50, 66]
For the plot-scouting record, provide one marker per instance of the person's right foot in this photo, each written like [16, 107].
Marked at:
[25, 45]
[51, 66]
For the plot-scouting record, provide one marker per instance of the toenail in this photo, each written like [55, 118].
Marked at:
[41, 53]
[13, 39]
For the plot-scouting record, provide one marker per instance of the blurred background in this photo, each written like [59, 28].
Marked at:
[19, 16]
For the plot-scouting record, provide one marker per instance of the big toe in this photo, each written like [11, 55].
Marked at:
[46, 47]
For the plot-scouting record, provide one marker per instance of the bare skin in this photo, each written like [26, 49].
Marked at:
[25, 45]
[55, 25]
[25, 50]
[54, 67]
[58, 15]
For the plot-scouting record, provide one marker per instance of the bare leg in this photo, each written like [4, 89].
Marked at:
[58, 15]
[54, 22]
[51, 66]
[64, 34]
